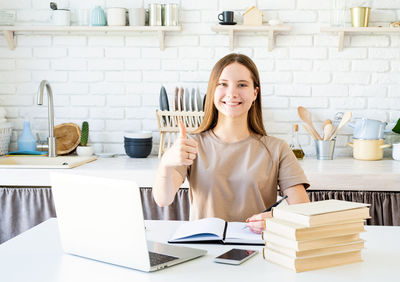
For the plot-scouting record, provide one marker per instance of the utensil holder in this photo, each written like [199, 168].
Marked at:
[168, 122]
[360, 16]
[325, 149]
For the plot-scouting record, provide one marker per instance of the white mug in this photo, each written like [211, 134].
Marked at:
[396, 151]
[137, 17]
[116, 16]
[61, 17]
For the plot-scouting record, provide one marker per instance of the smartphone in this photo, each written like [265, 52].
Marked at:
[235, 256]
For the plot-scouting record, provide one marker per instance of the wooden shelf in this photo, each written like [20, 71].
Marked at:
[342, 30]
[231, 29]
[9, 31]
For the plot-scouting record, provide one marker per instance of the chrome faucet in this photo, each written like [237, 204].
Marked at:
[52, 145]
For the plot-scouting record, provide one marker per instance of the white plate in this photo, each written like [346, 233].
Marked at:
[106, 155]
[199, 100]
[188, 104]
[193, 100]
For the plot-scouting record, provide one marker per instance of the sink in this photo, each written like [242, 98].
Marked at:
[44, 161]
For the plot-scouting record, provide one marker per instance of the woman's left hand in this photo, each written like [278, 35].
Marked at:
[256, 222]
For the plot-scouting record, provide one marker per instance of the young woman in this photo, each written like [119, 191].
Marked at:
[233, 167]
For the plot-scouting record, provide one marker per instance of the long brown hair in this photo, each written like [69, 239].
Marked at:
[254, 116]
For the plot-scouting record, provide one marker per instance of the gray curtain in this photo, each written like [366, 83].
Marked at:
[21, 208]
[385, 206]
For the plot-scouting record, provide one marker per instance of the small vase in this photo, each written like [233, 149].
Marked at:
[98, 17]
[84, 151]
[27, 142]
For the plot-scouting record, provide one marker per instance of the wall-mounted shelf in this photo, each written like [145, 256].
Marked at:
[9, 31]
[231, 29]
[342, 30]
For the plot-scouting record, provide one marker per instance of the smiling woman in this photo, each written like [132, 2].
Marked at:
[233, 167]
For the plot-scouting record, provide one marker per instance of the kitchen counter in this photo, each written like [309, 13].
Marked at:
[337, 174]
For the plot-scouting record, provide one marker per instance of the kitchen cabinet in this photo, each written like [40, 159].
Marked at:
[271, 30]
[341, 31]
[10, 31]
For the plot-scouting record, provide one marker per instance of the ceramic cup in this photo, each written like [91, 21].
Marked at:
[61, 17]
[226, 16]
[396, 151]
[116, 16]
[137, 17]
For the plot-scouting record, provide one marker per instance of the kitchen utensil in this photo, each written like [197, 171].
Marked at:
[194, 101]
[68, 136]
[53, 6]
[359, 16]
[155, 14]
[226, 17]
[164, 105]
[116, 16]
[368, 150]
[345, 119]
[61, 17]
[305, 116]
[325, 149]
[137, 17]
[188, 102]
[199, 100]
[327, 121]
[396, 151]
[171, 14]
[368, 128]
[307, 128]
[180, 99]
[175, 99]
[328, 129]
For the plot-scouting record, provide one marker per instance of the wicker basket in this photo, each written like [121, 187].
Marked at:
[168, 125]
[5, 137]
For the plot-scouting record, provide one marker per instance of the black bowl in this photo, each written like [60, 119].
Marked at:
[138, 140]
[138, 151]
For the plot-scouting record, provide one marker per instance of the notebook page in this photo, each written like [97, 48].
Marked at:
[239, 230]
[210, 225]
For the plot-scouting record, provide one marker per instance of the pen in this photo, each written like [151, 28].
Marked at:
[277, 203]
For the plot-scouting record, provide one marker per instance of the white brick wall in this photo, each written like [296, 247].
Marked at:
[113, 79]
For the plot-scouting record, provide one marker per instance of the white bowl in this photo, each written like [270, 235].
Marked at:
[138, 134]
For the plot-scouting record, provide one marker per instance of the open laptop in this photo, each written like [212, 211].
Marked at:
[102, 219]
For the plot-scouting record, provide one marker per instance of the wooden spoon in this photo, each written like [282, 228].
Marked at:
[305, 116]
[307, 128]
[345, 119]
[328, 128]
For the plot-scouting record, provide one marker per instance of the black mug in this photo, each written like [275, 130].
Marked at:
[227, 16]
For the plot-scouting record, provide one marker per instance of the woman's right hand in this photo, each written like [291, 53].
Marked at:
[183, 152]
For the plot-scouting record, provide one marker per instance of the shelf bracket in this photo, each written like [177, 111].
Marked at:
[161, 38]
[231, 40]
[9, 36]
[271, 40]
[341, 40]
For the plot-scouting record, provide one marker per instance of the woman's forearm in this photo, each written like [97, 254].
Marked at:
[166, 184]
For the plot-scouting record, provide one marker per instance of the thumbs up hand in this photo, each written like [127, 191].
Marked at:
[183, 152]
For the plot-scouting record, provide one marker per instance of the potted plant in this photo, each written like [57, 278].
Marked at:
[84, 149]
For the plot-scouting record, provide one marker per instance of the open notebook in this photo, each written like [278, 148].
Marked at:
[215, 230]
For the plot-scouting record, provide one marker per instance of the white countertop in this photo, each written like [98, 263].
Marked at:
[337, 174]
[36, 255]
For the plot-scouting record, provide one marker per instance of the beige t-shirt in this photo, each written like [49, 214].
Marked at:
[234, 181]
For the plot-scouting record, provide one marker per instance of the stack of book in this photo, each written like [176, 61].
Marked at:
[315, 235]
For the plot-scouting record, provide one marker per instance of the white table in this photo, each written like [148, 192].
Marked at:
[36, 255]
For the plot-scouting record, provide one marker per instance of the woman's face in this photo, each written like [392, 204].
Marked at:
[235, 91]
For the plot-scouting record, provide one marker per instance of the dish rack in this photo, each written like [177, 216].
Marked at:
[169, 129]
[5, 137]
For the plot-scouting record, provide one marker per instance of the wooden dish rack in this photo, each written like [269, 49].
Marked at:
[168, 126]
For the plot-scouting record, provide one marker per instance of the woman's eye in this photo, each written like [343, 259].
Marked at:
[242, 85]
[221, 84]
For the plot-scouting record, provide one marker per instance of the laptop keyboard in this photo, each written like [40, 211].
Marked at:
[156, 259]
